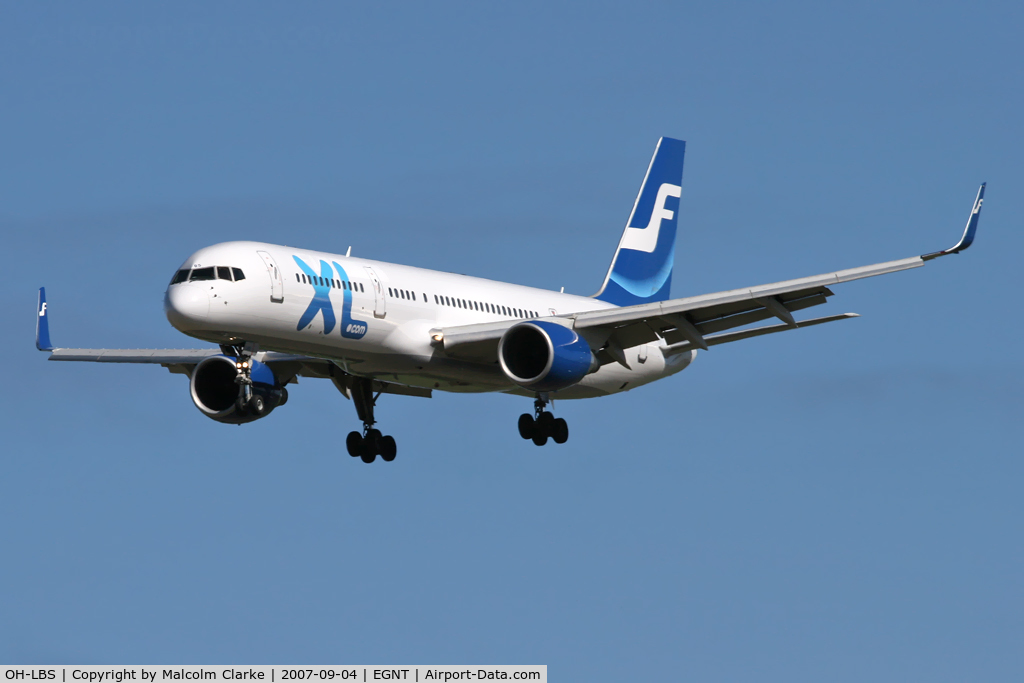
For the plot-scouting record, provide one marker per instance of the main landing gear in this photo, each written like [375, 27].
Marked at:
[543, 425]
[370, 443]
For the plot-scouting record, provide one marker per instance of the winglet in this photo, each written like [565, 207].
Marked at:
[42, 323]
[972, 227]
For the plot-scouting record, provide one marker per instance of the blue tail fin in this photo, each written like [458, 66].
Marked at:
[641, 270]
[42, 324]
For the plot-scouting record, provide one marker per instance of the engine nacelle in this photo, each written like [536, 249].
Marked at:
[215, 390]
[545, 356]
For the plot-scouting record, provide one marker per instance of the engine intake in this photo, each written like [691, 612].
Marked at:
[544, 356]
[215, 390]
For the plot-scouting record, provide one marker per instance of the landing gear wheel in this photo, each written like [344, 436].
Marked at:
[545, 424]
[560, 430]
[540, 439]
[388, 448]
[354, 444]
[526, 426]
[372, 440]
[257, 405]
[368, 456]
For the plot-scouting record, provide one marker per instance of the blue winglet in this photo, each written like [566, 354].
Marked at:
[969, 231]
[42, 323]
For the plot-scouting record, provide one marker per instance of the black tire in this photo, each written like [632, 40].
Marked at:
[284, 397]
[354, 444]
[526, 426]
[540, 439]
[388, 448]
[546, 424]
[257, 406]
[368, 457]
[560, 431]
[372, 441]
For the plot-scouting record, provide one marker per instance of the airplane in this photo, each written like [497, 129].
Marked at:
[278, 313]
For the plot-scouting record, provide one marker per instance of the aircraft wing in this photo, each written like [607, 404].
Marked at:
[287, 367]
[698, 321]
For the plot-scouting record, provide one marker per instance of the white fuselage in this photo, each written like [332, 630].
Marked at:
[375, 319]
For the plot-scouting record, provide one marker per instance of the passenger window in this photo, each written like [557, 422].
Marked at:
[203, 274]
[180, 276]
[239, 275]
[223, 273]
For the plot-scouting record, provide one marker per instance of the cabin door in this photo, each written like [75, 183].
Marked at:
[380, 302]
[276, 281]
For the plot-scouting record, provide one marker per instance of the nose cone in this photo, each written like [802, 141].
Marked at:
[187, 306]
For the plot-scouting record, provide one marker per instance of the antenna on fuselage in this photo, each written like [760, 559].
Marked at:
[349, 252]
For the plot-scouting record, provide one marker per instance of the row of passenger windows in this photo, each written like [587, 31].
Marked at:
[485, 307]
[329, 282]
[208, 273]
[467, 304]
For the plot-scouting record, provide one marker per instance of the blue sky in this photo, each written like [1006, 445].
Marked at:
[838, 503]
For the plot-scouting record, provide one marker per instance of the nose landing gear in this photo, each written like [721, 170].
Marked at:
[248, 401]
[543, 425]
[370, 443]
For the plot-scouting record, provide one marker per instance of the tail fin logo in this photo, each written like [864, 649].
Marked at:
[646, 239]
[641, 270]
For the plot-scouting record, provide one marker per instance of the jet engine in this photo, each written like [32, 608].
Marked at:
[545, 356]
[216, 385]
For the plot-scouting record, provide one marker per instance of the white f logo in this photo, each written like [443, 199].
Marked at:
[646, 239]
[42, 310]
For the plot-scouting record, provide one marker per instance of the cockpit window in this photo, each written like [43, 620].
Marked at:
[203, 274]
[180, 276]
[239, 275]
[223, 273]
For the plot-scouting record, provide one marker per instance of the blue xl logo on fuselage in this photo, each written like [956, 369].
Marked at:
[321, 303]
